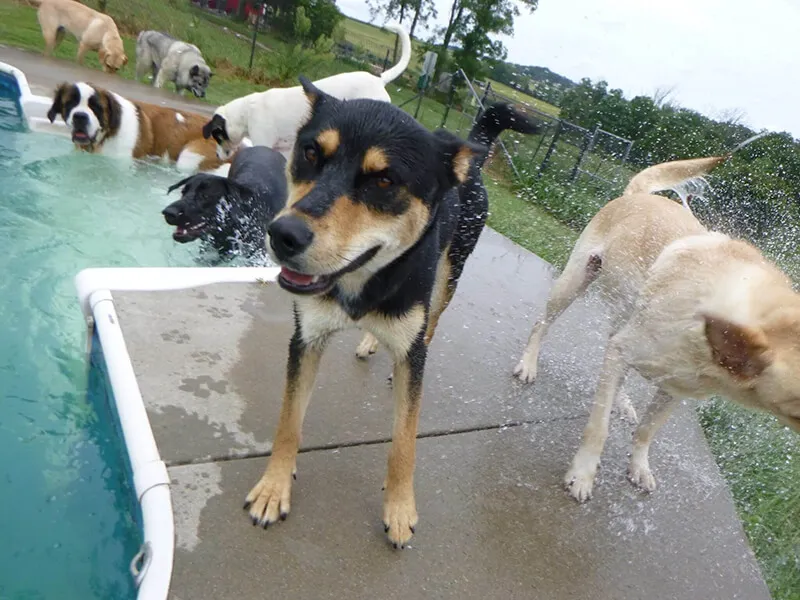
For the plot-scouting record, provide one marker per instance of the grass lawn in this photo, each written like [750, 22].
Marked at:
[516, 96]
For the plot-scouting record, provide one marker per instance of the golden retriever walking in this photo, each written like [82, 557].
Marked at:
[94, 30]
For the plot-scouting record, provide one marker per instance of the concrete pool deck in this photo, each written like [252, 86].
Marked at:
[494, 519]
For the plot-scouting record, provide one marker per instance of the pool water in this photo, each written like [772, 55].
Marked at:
[65, 520]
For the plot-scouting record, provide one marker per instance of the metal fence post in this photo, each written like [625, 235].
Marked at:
[386, 60]
[588, 145]
[551, 149]
[450, 98]
[261, 10]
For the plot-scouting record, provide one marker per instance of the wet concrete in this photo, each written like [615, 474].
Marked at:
[45, 74]
[494, 520]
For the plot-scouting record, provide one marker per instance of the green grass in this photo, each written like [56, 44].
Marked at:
[528, 225]
[761, 462]
[377, 40]
[518, 96]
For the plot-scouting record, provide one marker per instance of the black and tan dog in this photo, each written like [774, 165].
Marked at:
[381, 217]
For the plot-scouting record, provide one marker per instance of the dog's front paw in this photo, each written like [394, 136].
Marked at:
[367, 347]
[399, 521]
[640, 475]
[525, 372]
[269, 500]
[579, 480]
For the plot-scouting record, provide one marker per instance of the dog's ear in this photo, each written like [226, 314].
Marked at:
[457, 155]
[113, 110]
[743, 351]
[316, 97]
[58, 102]
[194, 70]
[217, 123]
[175, 186]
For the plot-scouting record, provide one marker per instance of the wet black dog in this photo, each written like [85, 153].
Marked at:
[381, 217]
[231, 213]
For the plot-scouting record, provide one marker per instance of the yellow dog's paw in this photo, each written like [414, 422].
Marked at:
[640, 475]
[525, 372]
[399, 522]
[269, 500]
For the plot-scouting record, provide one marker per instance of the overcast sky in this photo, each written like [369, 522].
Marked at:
[718, 55]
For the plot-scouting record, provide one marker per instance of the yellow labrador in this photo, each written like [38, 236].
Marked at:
[94, 30]
[694, 312]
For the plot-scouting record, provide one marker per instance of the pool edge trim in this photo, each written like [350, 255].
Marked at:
[94, 288]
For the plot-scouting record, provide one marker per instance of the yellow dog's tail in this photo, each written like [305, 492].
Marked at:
[676, 173]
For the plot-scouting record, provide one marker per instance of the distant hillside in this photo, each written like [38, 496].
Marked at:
[539, 82]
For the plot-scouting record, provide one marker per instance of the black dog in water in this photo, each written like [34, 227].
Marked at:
[231, 213]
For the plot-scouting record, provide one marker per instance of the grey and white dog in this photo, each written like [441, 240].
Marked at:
[172, 60]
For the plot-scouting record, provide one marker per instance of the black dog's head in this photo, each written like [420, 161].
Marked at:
[365, 182]
[92, 113]
[217, 128]
[203, 207]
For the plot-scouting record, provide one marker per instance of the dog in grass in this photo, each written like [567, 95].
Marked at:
[94, 30]
[381, 217]
[173, 60]
[695, 312]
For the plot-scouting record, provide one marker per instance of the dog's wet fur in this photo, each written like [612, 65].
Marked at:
[231, 213]
[381, 217]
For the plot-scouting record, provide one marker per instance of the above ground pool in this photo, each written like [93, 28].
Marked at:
[66, 519]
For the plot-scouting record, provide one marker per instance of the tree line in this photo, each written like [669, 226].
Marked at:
[756, 194]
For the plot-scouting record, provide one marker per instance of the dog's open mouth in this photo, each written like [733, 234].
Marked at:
[302, 283]
[82, 138]
[189, 233]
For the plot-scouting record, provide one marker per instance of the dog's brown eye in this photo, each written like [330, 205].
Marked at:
[311, 155]
[384, 182]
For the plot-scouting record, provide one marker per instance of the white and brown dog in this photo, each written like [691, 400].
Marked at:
[272, 118]
[105, 122]
[695, 312]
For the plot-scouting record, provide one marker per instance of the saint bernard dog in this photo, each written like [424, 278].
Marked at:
[104, 122]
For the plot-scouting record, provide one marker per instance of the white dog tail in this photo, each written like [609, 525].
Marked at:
[405, 54]
[675, 174]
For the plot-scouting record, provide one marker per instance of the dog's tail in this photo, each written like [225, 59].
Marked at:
[405, 54]
[676, 174]
[495, 119]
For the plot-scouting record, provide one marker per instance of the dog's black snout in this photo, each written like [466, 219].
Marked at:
[172, 213]
[289, 236]
[80, 120]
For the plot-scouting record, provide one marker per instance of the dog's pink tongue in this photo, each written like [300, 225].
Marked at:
[294, 277]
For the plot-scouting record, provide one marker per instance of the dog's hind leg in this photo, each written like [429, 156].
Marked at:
[367, 347]
[579, 480]
[657, 414]
[269, 500]
[581, 270]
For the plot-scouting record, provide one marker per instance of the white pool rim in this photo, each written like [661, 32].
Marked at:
[151, 480]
